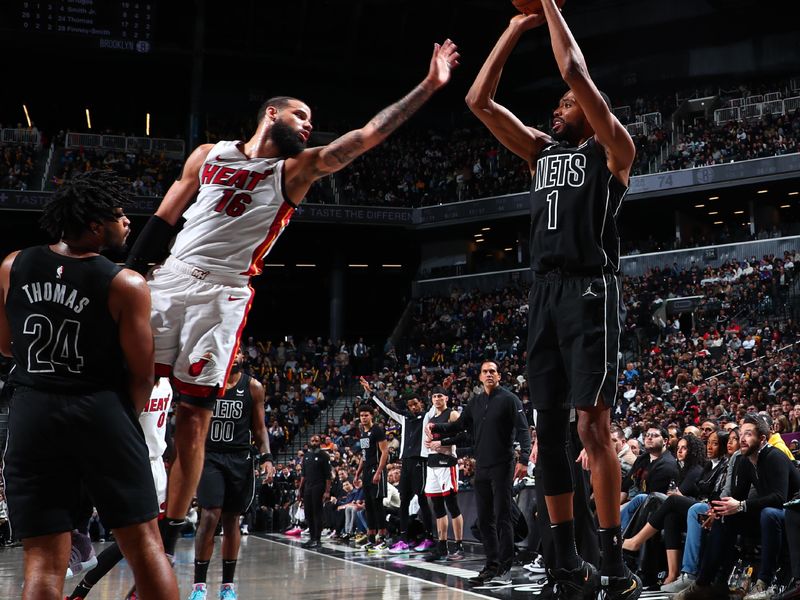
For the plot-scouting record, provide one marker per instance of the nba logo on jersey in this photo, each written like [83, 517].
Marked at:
[59, 271]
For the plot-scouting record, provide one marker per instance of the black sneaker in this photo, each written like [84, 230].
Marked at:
[575, 584]
[627, 587]
[487, 573]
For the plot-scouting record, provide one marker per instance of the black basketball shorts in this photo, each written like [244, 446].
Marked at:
[227, 481]
[574, 325]
[62, 445]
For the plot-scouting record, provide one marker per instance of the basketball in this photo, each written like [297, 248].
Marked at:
[529, 7]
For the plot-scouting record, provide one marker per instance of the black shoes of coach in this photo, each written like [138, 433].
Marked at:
[627, 587]
[487, 573]
[311, 544]
[580, 583]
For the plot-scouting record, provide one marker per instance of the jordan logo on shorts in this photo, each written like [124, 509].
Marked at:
[589, 291]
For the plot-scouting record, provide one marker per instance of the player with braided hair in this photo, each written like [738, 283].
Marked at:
[77, 326]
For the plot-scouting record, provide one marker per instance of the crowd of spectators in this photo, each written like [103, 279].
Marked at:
[704, 143]
[16, 166]
[736, 354]
[150, 174]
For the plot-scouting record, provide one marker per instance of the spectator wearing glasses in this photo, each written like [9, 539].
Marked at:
[652, 472]
[775, 481]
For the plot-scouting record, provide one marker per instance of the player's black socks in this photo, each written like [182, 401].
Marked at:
[611, 547]
[170, 530]
[80, 592]
[228, 570]
[106, 560]
[564, 541]
[200, 570]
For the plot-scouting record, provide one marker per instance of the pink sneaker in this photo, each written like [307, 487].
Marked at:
[425, 545]
[400, 548]
[294, 531]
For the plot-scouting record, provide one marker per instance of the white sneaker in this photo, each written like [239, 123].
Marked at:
[683, 581]
[536, 566]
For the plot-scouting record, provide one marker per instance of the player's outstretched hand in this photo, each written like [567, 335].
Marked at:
[526, 22]
[444, 60]
[365, 384]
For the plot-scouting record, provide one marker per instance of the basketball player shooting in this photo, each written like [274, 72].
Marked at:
[580, 173]
[236, 199]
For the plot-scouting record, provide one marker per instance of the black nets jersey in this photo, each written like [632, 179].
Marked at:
[574, 204]
[369, 445]
[64, 339]
[231, 421]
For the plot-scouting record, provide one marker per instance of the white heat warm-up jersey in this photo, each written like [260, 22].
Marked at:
[153, 418]
[240, 211]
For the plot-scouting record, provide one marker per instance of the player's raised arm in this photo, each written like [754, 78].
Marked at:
[611, 134]
[151, 244]
[310, 165]
[520, 139]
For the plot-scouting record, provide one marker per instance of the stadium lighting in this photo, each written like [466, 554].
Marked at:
[785, 205]
[762, 191]
[479, 241]
[714, 212]
[699, 205]
[358, 266]
[793, 193]
[305, 265]
[27, 116]
[507, 249]
[486, 228]
[392, 266]
[147, 124]
[274, 265]
[713, 197]
[717, 222]
[477, 235]
[88, 119]
[738, 212]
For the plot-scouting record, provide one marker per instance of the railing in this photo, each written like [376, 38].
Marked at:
[632, 265]
[739, 109]
[171, 148]
[644, 123]
[21, 136]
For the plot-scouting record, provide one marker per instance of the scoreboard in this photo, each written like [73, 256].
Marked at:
[126, 25]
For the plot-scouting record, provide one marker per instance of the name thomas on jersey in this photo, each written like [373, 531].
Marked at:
[59, 293]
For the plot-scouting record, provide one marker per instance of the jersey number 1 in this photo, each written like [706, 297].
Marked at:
[552, 210]
[44, 353]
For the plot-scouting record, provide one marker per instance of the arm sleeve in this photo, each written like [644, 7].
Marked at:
[152, 244]
[399, 417]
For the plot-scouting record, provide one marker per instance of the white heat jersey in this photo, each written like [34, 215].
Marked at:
[239, 213]
[153, 418]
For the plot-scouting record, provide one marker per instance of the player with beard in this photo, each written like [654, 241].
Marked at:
[580, 173]
[236, 198]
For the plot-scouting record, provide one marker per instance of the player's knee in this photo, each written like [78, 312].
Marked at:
[439, 509]
[594, 430]
[451, 500]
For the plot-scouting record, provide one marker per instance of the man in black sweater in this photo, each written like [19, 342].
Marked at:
[775, 480]
[495, 418]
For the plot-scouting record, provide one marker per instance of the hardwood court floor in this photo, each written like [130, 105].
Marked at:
[275, 567]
